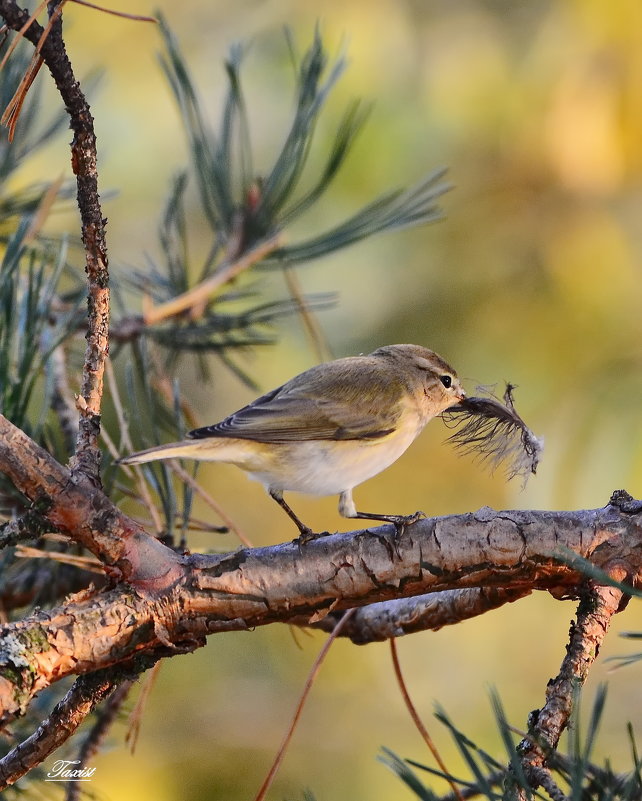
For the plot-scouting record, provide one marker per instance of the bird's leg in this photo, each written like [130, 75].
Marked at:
[306, 534]
[348, 509]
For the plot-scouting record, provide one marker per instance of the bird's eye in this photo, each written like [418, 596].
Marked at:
[446, 380]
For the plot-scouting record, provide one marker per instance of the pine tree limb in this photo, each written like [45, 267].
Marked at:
[597, 606]
[84, 165]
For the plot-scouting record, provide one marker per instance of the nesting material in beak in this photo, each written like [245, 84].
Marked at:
[495, 432]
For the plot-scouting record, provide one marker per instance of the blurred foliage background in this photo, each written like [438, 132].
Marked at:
[533, 277]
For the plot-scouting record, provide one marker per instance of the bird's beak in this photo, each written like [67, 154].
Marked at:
[461, 396]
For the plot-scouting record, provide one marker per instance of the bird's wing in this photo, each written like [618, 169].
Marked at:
[328, 404]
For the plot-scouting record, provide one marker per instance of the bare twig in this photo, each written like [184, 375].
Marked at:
[542, 777]
[419, 724]
[597, 606]
[310, 322]
[131, 738]
[86, 693]
[123, 428]
[134, 17]
[62, 400]
[106, 718]
[84, 562]
[209, 500]
[196, 298]
[314, 670]
[84, 163]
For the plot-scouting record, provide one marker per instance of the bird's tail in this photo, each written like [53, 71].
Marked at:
[188, 449]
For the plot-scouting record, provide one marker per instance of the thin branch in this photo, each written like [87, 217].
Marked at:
[83, 562]
[84, 164]
[134, 17]
[62, 400]
[542, 777]
[382, 621]
[310, 322]
[197, 297]
[597, 606]
[297, 714]
[136, 717]
[419, 724]
[210, 501]
[86, 693]
[162, 382]
[26, 527]
[106, 718]
[123, 428]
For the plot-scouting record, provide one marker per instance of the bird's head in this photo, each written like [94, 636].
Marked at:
[424, 368]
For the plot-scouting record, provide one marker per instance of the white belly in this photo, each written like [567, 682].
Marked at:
[328, 467]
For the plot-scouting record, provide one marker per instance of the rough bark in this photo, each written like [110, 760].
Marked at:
[515, 550]
[84, 165]
[597, 606]
[70, 502]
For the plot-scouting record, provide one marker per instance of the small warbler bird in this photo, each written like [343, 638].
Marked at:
[329, 428]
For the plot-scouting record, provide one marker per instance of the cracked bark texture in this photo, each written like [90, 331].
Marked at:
[71, 503]
[289, 583]
[84, 165]
[597, 606]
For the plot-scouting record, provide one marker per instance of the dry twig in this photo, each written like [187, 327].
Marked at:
[419, 724]
[597, 606]
[198, 296]
[314, 670]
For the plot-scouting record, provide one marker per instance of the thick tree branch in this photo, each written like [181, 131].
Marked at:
[71, 502]
[382, 621]
[516, 550]
[84, 165]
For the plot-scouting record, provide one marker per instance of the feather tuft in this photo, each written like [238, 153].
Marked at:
[495, 432]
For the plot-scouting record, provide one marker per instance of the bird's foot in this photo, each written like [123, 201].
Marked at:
[407, 520]
[401, 521]
[307, 535]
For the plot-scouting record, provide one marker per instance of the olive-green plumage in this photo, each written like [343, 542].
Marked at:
[329, 428]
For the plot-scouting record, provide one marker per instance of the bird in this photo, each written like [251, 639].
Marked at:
[329, 428]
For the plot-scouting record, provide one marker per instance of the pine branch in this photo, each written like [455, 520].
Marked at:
[84, 162]
[285, 583]
[86, 693]
[378, 622]
[597, 606]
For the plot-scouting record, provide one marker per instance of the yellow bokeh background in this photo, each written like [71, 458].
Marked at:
[533, 277]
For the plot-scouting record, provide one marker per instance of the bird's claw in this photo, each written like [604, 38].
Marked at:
[402, 521]
[307, 535]
[413, 518]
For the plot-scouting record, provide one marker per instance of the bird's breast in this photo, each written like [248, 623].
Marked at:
[327, 467]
